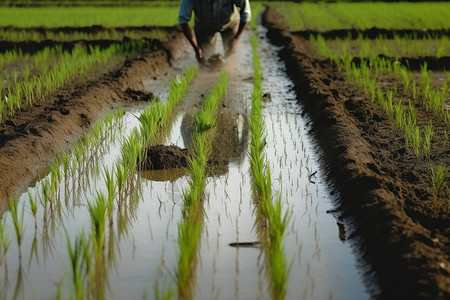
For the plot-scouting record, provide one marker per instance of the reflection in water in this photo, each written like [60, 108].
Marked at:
[139, 249]
[231, 142]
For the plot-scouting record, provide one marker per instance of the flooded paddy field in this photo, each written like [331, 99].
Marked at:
[90, 220]
[139, 255]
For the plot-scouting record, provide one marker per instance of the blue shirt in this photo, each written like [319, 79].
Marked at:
[215, 13]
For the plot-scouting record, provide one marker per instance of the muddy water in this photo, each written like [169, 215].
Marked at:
[140, 245]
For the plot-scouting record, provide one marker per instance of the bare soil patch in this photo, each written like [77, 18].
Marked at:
[30, 140]
[385, 191]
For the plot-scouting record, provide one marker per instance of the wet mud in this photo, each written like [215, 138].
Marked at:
[385, 192]
[161, 157]
[121, 35]
[30, 140]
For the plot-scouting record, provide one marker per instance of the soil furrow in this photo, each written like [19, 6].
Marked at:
[50, 127]
[408, 258]
[374, 33]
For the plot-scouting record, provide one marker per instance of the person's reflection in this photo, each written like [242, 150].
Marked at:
[230, 143]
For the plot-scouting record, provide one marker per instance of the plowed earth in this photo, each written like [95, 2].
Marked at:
[30, 139]
[385, 191]
[386, 194]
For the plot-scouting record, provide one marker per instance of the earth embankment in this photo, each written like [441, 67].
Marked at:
[385, 193]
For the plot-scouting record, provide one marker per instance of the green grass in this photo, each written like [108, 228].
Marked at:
[345, 15]
[112, 16]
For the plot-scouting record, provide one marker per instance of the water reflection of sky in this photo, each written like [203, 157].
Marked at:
[141, 244]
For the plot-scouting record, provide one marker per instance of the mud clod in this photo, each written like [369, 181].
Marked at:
[139, 95]
[162, 157]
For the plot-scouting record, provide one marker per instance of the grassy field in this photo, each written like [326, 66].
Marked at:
[151, 15]
[329, 16]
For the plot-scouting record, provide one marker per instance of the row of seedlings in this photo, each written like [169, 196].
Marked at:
[86, 251]
[404, 116]
[45, 201]
[52, 68]
[271, 219]
[89, 276]
[190, 226]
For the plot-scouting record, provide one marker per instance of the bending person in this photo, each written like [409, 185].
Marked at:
[211, 17]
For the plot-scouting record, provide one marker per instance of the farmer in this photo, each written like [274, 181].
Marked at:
[212, 16]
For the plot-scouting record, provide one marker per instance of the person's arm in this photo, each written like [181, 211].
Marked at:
[245, 16]
[233, 42]
[184, 16]
[190, 37]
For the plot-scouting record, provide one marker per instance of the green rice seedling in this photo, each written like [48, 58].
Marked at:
[388, 104]
[416, 140]
[167, 294]
[46, 194]
[190, 227]
[120, 176]
[273, 222]
[110, 186]
[33, 207]
[5, 242]
[407, 78]
[77, 264]
[427, 136]
[18, 223]
[399, 115]
[412, 111]
[97, 212]
[414, 89]
[438, 177]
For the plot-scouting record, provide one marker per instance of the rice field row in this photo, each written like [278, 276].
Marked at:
[396, 47]
[403, 99]
[271, 220]
[328, 16]
[107, 193]
[50, 17]
[29, 34]
[27, 79]
[191, 225]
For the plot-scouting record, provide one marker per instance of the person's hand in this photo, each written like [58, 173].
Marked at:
[232, 45]
[199, 54]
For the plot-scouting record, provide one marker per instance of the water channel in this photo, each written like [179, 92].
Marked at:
[141, 247]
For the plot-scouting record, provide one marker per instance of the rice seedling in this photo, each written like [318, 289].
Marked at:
[272, 221]
[98, 212]
[328, 16]
[77, 264]
[55, 68]
[427, 136]
[18, 223]
[439, 177]
[33, 207]
[190, 227]
[110, 186]
[4, 240]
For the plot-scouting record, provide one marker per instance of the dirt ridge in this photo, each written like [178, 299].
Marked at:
[407, 259]
[373, 33]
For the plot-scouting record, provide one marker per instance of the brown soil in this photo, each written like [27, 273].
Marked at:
[30, 140]
[401, 230]
[161, 157]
